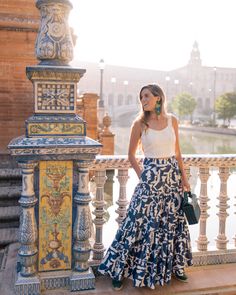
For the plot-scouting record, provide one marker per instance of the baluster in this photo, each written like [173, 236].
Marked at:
[28, 233]
[82, 277]
[187, 170]
[122, 201]
[202, 241]
[99, 212]
[221, 240]
[28, 229]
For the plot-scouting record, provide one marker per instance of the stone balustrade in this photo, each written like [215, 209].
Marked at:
[203, 163]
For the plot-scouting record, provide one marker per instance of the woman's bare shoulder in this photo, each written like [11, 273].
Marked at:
[174, 118]
[137, 123]
[138, 126]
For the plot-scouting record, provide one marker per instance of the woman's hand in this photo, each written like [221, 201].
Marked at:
[185, 184]
[139, 174]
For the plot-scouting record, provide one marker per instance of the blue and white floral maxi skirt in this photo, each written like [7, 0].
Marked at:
[153, 240]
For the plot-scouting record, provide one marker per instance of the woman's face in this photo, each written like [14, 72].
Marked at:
[148, 100]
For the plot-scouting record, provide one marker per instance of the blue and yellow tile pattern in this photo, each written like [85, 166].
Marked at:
[55, 215]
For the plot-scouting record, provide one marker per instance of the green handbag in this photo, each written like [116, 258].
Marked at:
[191, 207]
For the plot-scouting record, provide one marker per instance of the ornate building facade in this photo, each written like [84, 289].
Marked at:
[121, 84]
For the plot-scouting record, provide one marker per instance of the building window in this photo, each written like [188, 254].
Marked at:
[120, 100]
[129, 99]
[104, 97]
[199, 103]
[111, 99]
[207, 103]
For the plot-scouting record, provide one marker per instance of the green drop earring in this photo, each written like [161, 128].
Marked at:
[158, 107]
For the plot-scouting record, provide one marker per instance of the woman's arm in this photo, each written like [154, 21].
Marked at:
[135, 135]
[185, 183]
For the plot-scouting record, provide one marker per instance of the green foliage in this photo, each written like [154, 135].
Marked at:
[184, 104]
[226, 106]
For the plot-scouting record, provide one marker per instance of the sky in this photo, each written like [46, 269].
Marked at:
[154, 34]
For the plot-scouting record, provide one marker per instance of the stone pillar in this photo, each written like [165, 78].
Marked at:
[27, 281]
[56, 137]
[221, 240]
[187, 170]
[82, 278]
[122, 201]
[99, 212]
[54, 42]
[202, 241]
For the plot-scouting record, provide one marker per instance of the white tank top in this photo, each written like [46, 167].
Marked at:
[159, 143]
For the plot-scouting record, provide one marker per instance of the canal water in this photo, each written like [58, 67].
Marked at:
[191, 143]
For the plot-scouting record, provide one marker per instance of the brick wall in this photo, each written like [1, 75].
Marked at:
[17, 34]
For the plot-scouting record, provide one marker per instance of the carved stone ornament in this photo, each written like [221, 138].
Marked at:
[54, 97]
[54, 43]
[53, 145]
[50, 73]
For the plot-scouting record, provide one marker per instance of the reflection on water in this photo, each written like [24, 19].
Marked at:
[195, 142]
[191, 142]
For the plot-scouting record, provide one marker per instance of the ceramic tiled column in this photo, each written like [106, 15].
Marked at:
[55, 138]
[28, 234]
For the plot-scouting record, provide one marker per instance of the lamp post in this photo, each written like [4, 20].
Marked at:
[214, 96]
[101, 110]
[113, 81]
[191, 87]
[101, 67]
[176, 82]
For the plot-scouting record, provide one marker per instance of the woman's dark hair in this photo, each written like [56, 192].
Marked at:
[156, 91]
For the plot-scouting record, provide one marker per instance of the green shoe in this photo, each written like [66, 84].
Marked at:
[182, 278]
[117, 285]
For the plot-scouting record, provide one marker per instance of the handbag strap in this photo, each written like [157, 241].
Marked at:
[187, 194]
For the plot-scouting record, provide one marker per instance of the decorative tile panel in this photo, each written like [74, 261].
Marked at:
[51, 97]
[55, 215]
[41, 129]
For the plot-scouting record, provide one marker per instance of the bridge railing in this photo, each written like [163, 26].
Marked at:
[225, 164]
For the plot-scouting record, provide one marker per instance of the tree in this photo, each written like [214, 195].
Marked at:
[184, 104]
[225, 106]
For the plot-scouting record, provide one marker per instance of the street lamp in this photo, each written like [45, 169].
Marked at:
[113, 80]
[176, 82]
[101, 67]
[214, 96]
[191, 87]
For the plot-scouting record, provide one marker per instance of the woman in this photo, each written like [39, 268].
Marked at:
[153, 240]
